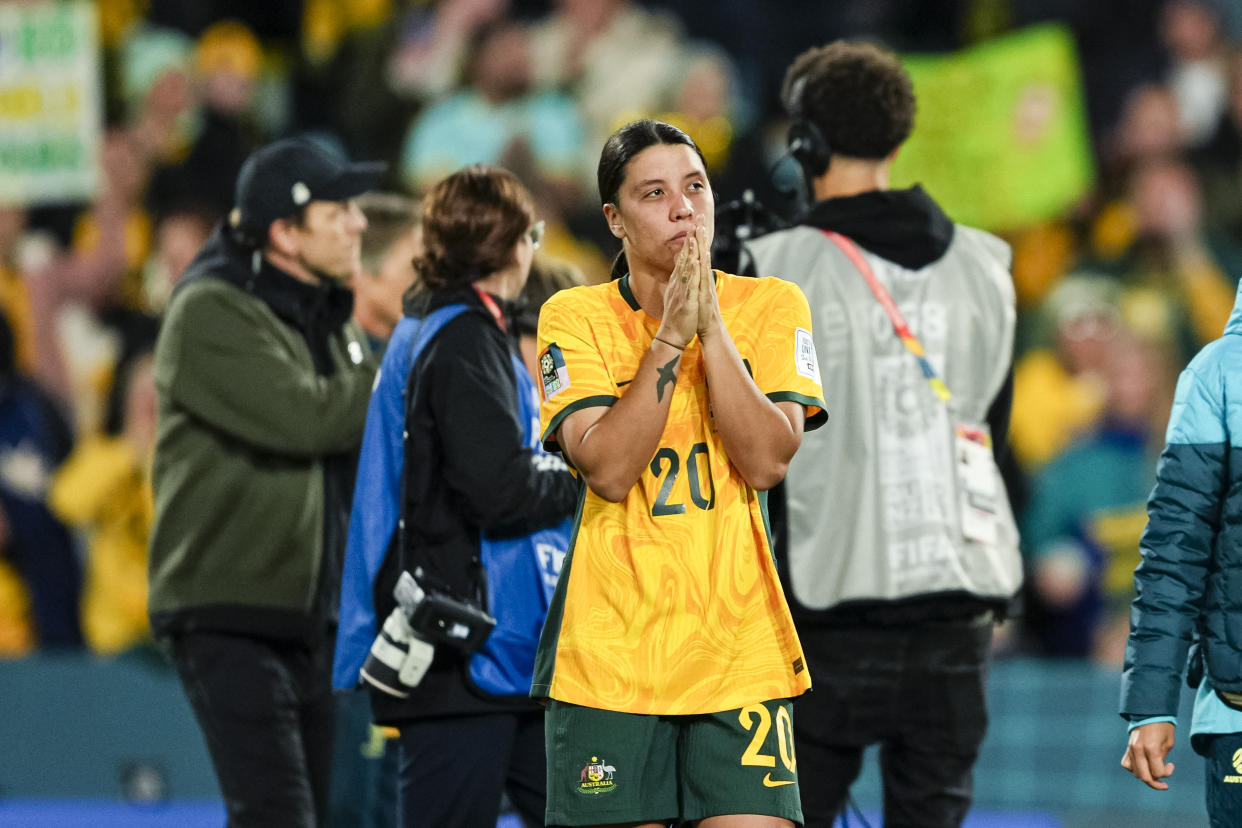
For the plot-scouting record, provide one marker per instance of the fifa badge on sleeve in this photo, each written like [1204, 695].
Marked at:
[552, 371]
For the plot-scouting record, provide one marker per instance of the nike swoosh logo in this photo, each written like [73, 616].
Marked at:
[769, 782]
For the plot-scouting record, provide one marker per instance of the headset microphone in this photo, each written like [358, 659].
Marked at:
[805, 143]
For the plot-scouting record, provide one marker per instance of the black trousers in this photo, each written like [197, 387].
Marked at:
[454, 770]
[266, 710]
[918, 692]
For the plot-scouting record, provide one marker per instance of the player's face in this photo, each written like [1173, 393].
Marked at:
[665, 187]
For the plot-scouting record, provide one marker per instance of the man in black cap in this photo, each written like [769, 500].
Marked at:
[263, 385]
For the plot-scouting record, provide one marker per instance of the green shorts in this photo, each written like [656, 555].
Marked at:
[606, 767]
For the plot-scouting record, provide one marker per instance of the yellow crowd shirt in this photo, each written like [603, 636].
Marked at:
[669, 601]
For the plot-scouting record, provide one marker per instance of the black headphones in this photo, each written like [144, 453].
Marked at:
[805, 142]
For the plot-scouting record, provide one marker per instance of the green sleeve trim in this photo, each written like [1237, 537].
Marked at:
[549, 434]
[813, 421]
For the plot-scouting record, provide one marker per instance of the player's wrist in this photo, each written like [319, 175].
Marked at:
[668, 342]
[710, 328]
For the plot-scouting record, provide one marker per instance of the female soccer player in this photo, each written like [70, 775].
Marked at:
[679, 394]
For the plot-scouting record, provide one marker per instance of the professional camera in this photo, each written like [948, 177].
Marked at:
[403, 650]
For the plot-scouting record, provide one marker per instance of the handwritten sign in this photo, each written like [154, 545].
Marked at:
[50, 102]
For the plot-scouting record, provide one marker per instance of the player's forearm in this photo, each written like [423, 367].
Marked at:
[758, 436]
[613, 452]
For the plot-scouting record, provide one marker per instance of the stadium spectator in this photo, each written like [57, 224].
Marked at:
[579, 46]
[1176, 254]
[102, 270]
[104, 489]
[498, 117]
[901, 549]
[1150, 127]
[1190, 31]
[1081, 529]
[227, 65]
[262, 385]
[1058, 388]
[1218, 161]
[179, 234]
[34, 440]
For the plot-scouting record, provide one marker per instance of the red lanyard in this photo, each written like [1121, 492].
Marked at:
[907, 337]
[491, 305]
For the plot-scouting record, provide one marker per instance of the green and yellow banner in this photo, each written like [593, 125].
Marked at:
[1001, 137]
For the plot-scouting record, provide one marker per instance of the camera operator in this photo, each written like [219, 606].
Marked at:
[452, 480]
[901, 544]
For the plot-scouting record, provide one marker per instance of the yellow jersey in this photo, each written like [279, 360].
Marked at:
[669, 601]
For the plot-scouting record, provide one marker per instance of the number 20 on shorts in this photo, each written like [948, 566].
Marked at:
[757, 718]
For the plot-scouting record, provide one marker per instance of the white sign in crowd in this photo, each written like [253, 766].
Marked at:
[50, 102]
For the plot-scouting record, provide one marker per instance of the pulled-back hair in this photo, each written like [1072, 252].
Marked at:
[857, 94]
[471, 221]
[628, 141]
[620, 149]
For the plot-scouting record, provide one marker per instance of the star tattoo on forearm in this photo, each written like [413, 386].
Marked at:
[667, 374]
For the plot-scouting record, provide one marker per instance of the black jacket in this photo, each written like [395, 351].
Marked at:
[467, 471]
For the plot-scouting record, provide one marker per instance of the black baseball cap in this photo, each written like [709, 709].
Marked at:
[281, 178]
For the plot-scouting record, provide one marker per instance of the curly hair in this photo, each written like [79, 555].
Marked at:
[857, 94]
[471, 221]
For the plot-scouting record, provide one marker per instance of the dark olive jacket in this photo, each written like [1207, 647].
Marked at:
[263, 384]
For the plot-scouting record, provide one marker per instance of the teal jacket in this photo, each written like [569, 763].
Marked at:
[1189, 583]
[263, 383]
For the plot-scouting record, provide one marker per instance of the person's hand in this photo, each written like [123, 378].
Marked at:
[1145, 754]
[709, 306]
[681, 297]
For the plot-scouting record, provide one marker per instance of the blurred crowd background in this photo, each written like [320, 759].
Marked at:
[1102, 140]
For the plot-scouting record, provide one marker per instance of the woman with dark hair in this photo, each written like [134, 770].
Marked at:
[679, 394]
[455, 492]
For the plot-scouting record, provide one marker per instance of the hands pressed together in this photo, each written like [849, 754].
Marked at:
[690, 306]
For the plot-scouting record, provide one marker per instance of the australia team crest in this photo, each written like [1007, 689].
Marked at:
[597, 777]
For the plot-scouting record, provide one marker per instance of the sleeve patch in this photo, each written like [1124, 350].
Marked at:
[552, 371]
[806, 362]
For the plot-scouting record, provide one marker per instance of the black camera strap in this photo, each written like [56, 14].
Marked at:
[425, 571]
